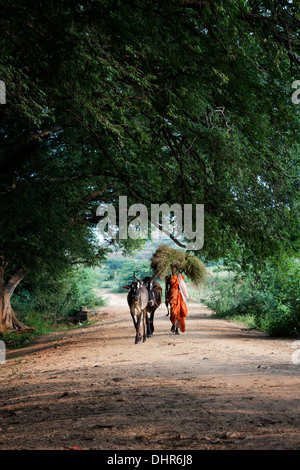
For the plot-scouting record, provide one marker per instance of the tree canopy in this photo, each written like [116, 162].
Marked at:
[180, 101]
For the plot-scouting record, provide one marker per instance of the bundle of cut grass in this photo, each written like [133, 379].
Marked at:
[160, 261]
[165, 258]
[195, 269]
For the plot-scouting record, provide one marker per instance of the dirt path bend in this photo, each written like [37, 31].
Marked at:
[217, 386]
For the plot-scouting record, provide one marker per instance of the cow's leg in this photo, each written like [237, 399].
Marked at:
[147, 323]
[136, 318]
[150, 327]
[144, 325]
[133, 319]
[152, 322]
[138, 337]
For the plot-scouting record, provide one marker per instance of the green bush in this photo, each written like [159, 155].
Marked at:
[117, 272]
[45, 300]
[271, 297]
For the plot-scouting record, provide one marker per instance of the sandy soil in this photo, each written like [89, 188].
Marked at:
[217, 386]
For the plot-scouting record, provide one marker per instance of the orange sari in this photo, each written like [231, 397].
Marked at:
[178, 306]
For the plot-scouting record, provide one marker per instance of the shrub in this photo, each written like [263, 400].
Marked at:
[271, 297]
[45, 300]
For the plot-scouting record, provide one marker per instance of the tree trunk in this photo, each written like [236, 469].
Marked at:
[8, 320]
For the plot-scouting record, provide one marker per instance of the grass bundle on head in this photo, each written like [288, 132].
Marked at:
[165, 258]
[161, 261]
[195, 269]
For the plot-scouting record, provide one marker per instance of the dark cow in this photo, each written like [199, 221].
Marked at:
[154, 301]
[137, 299]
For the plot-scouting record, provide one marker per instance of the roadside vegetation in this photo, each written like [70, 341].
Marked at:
[48, 304]
[268, 299]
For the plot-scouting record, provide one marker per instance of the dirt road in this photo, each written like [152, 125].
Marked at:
[217, 386]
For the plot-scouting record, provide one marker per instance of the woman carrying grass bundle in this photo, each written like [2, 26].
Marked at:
[166, 259]
[176, 297]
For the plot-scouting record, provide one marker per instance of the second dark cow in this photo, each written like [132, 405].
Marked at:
[154, 301]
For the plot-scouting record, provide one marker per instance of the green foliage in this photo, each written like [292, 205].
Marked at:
[177, 101]
[117, 272]
[17, 340]
[56, 298]
[270, 297]
[45, 304]
[160, 101]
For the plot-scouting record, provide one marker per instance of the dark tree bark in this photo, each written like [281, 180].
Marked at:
[8, 320]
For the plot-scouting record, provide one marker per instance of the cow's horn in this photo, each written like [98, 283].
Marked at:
[136, 277]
